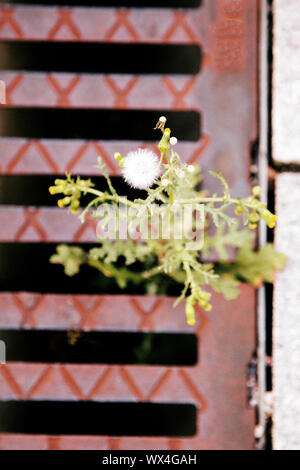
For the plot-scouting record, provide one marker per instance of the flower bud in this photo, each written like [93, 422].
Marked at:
[207, 307]
[161, 123]
[64, 202]
[58, 182]
[52, 190]
[269, 218]
[257, 191]
[238, 210]
[190, 311]
[119, 159]
[74, 206]
[253, 218]
[258, 280]
[164, 143]
[57, 189]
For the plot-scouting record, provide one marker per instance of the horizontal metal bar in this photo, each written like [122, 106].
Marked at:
[105, 383]
[112, 3]
[94, 312]
[113, 91]
[12, 441]
[25, 156]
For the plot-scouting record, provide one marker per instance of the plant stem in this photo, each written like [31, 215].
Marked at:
[188, 271]
[109, 197]
[213, 199]
[117, 198]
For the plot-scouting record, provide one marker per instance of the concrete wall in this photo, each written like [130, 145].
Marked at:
[286, 150]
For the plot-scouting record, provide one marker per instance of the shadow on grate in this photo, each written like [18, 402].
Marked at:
[94, 418]
[97, 347]
[26, 267]
[94, 124]
[62, 56]
[17, 189]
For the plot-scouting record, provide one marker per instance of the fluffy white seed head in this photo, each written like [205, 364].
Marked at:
[163, 119]
[173, 141]
[190, 168]
[141, 168]
[165, 182]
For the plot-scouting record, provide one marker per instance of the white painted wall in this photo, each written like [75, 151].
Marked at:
[286, 150]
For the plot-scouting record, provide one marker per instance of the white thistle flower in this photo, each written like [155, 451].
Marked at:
[141, 168]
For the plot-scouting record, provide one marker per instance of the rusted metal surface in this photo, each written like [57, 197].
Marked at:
[33, 224]
[215, 385]
[20, 156]
[224, 92]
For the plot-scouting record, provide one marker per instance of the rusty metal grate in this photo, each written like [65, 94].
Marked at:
[214, 395]
[224, 34]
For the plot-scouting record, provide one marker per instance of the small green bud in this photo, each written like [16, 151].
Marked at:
[238, 210]
[74, 206]
[59, 182]
[253, 218]
[82, 185]
[257, 191]
[268, 217]
[161, 123]
[57, 189]
[119, 159]
[207, 307]
[190, 311]
[52, 190]
[258, 280]
[69, 191]
[164, 143]
[64, 202]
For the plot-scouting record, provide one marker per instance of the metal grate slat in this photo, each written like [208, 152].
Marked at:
[223, 94]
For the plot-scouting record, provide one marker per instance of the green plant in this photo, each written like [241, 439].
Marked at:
[170, 183]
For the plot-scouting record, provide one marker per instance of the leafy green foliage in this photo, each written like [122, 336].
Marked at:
[225, 236]
[71, 257]
[256, 267]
